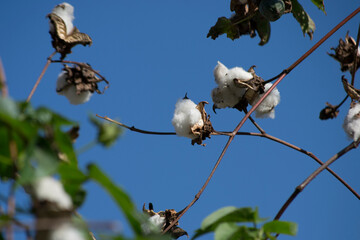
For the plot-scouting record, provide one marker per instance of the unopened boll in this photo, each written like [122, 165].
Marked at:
[186, 115]
[51, 190]
[66, 12]
[267, 108]
[352, 122]
[70, 91]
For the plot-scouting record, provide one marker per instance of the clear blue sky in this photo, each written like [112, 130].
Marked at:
[153, 52]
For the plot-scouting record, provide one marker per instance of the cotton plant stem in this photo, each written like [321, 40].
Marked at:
[265, 135]
[3, 85]
[40, 77]
[355, 57]
[285, 72]
[306, 182]
[342, 102]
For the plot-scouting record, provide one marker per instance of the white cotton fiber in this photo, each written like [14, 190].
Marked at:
[70, 91]
[51, 190]
[267, 108]
[186, 115]
[220, 73]
[67, 231]
[352, 122]
[66, 12]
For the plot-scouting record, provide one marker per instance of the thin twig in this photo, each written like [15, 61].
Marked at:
[285, 72]
[355, 57]
[265, 135]
[306, 182]
[134, 129]
[11, 211]
[3, 85]
[40, 77]
[342, 102]
[255, 124]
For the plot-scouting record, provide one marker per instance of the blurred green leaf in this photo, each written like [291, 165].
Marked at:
[120, 197]
[224, 25]
[281, 227]
[227, 215]
[72, 178]
[4, 220]
[226, 231]
[65, 146]
[319, 4]
[108, 133]
[306, 23]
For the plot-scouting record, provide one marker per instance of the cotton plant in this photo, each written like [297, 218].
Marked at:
[352, 122]
[50, 190]
[70, 91]
[236, 88]
[191, 121]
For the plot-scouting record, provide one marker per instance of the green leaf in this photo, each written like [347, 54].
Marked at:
[226, 231]
[224, 25]
[263, 28]
[120, 197]
[306, 23]
[108, 133]
[281, 227]
[72, 179]
[8, 107]
[227, 215]
[319, 4]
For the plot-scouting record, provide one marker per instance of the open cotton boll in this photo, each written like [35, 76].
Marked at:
[267, 108]
[67, 231]
[186, 115]
[70, 91]
[51, 190]
[352, 122]
[154, 224]
[224, 96]
[239, 73]
[220, 73]
[66, 12]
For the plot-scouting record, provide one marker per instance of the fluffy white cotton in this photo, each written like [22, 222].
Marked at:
[66, 12]
[51, 190]
[154, 224]
[267, 108]
[225, 97]
[67, 232]
[352, 122]
[70, 92]
[186, 115]
[220, 72]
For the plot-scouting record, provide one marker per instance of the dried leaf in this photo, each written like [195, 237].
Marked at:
[350, 89]
[329, 112]
[74, 133]
[203, 128]
[345, 54]
[83, 77]
[224, 25]
[63, 42]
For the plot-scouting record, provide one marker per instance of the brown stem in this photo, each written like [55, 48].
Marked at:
[355, 57]
[306, 182]
[255, 124]
[135, 129]
[40, 77]
[3, 85]
[10, 212]
[270, 137]
[342, 102]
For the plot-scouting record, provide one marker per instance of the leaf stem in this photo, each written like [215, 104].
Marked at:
[40, 77]
[3, 85]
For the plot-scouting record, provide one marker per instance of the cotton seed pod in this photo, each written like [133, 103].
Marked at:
[351, 123]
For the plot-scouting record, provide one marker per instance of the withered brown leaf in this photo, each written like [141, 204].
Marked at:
[203, 128]
[63, 42]
[329, 112]
[350, 89]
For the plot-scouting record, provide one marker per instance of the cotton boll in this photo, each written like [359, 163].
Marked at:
[154, 224]
[186, 115]
[66, 12]
[239, 73]
[70, 91]
[224, 97]
[220, 73]
[67, 232]
[51, 190]
[267, 108]
[352, 122]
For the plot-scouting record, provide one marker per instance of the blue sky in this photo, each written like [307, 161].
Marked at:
[152, 53]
